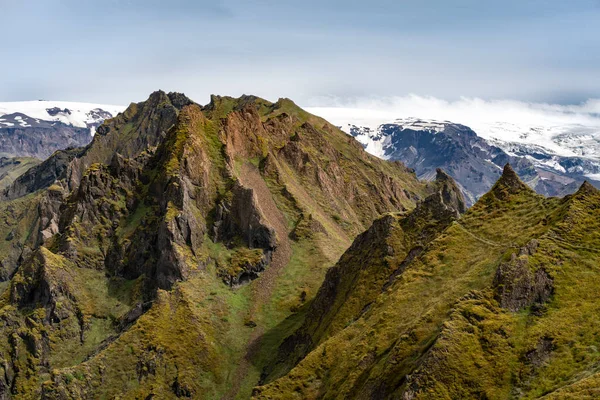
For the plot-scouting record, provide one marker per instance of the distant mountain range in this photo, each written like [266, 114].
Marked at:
[553, 160]
[39, 128]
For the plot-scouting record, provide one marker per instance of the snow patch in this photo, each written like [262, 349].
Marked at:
[564, 130]
[81, 115]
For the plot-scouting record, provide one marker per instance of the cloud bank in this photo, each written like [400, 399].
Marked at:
[469, 111]
[562, 129]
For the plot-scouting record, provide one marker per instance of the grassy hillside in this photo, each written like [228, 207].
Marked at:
[500, 305]
[248, 248]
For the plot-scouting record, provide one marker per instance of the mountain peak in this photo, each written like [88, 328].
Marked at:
[509, 172]
[509, 183]
[587, 188]
[451, 195]
[179, 100]
[442, 176]
[445, 204]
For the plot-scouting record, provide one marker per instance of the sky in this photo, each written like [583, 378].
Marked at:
[317, 53]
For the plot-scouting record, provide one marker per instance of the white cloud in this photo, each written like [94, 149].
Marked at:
[563, 129]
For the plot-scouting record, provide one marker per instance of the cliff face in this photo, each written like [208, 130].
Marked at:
[164, 257]
[41, 140]
[494, 306]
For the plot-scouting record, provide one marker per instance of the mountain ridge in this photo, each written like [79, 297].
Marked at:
[247, 248]
[217, 213]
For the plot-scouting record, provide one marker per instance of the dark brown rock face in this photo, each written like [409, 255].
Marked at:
[538, 356]
[451, 195]
[43, 283]
[517, 286]
[42, 175]
[242, 218]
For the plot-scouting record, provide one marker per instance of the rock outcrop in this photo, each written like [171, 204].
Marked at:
[508, 184]
[518, 286]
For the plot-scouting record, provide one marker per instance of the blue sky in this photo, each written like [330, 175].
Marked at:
[315, 52]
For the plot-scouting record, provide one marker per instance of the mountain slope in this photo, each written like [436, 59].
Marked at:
[370, 264]
[172, 255]
[499, 305]
[12, 168]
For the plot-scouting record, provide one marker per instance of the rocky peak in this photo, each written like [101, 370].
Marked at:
[443, 206]
[451, 195]
[510, 178]
[179, 100]
[216, 101]
[140, 128]
[509, 183]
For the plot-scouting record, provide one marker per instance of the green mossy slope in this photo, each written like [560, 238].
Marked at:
[500, 305]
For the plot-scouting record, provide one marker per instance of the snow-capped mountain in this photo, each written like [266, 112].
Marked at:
[31, 113]
[563, 130]
[39, 128]
[553, 161]
[379, 142]
[546, 146]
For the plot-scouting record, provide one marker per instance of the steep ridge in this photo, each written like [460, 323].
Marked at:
[534, 318]
[139, 128]
[139, 260]
[468, 320]
[367, 268]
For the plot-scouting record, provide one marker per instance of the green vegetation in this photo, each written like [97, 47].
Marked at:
[440, 330]
[131, 284]
[118, 289]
